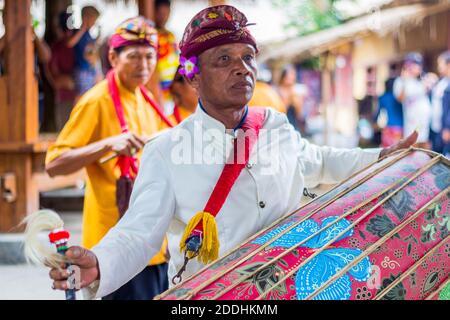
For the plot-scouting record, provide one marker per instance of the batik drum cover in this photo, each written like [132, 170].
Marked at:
[381, 234]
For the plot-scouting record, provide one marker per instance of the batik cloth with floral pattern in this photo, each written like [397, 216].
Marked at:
[384, 234]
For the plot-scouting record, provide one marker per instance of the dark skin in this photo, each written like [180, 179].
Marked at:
[184, 95]
[225, 85]
[162, 14]
[134, 67]
[89, 20]
[226, 81]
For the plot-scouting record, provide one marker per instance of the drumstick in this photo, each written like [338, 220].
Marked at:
[115, 155]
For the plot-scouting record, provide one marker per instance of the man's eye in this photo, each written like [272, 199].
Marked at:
[224, 58]
[248, 57]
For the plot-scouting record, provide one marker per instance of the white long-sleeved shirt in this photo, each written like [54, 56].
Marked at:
[178, 172]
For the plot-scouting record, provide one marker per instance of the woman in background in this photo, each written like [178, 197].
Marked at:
[411, 91]
[293, 97]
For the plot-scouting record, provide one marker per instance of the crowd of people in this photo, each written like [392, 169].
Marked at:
[116, 100]
[75, 61]
[125, 251]
[418, 101]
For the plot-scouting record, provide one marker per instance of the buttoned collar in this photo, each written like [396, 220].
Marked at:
[209, 122]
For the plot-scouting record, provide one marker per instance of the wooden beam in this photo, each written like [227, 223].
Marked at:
[19, 117]
[448, 30]
[21, 110]
[147, 9]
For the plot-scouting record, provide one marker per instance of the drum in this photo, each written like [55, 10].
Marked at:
[383, 234]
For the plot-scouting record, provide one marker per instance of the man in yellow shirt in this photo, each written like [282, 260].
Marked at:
[114, 117]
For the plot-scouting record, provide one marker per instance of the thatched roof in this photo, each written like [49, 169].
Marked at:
[386, 21]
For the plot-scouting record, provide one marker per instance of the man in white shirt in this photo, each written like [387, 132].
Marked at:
[181, 167]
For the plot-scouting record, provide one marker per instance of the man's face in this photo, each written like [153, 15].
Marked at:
[162, 14]
[227, 75]
[443, 68]
[134, 65]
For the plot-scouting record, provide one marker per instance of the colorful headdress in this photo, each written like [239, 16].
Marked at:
[212, 27]
[135, 31]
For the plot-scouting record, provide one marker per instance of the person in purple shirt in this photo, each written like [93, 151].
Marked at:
[61, 67]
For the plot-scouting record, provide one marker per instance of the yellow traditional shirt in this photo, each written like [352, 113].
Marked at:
[92, 119]
[265, 96]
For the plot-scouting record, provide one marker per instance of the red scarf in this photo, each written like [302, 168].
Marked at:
[200, 237]
[231, 171]
[129, 165]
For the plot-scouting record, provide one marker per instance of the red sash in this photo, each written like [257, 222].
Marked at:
[231, 171]
[177, 115]
[156, 107]
[129, 165]
[200, 237]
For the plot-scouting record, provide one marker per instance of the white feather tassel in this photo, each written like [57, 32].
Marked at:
[35, 250]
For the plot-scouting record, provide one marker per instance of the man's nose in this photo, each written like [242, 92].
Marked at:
[144, 63]
[241, 68]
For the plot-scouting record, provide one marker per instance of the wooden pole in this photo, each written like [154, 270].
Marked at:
[147, 9]
[19, 117]
[448, 30]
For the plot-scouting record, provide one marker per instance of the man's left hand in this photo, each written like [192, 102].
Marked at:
[402, 144]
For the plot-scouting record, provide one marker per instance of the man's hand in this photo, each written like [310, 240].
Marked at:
[83, 259]
[126, 144]
[88, 23]
[446, 135]
[402, 144]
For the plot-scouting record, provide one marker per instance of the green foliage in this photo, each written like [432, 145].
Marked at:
[312, 63]
[306, 16]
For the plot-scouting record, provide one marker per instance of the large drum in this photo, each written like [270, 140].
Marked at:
[381, 234]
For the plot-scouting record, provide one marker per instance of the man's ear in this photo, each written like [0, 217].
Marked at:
[113, 57]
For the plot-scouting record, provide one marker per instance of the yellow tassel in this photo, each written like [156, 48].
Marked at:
[209, 250]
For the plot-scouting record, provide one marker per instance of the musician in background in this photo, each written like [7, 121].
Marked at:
[184, 96]
[178, 185]
[168, 54]
[94, 131]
